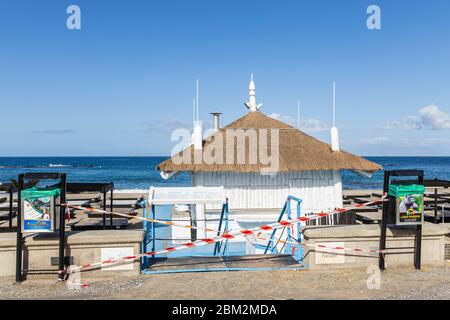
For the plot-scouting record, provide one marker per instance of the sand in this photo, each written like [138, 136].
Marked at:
[399, 283]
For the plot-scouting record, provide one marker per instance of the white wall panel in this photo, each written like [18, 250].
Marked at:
[319, 190]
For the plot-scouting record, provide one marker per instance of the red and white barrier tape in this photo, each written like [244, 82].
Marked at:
[321, 246]
[171, 223]
[124, 215]
[188, 245]
[207, 241]
[222, 237]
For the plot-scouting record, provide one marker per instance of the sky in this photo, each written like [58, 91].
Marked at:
[123, 82]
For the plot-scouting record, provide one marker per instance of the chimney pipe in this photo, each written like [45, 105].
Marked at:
[216, 125]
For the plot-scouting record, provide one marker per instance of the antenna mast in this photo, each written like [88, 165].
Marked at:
[334, 104]
[193, 113]
[298, 114]
[196, 99]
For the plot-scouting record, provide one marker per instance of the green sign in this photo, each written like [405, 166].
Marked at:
[409, 205]
[38, 210]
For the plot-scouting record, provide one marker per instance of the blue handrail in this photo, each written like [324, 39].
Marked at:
[218, 245]
[271, 245]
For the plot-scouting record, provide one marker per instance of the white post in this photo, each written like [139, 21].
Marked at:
[201, 221]
[334, 129]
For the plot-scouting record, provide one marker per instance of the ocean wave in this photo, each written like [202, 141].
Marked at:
[51, 165]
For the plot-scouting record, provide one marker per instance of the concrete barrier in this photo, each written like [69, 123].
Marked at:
[400, 246]
[84, 247]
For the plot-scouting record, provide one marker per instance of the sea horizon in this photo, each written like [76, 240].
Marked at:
[138, 173]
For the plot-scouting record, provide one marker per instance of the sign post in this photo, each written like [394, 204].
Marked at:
[37, 213]
[404, 206]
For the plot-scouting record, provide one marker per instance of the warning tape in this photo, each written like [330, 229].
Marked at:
[171, 223]
[168, 223]
[188, 245]
[207, 241]
[322, 246]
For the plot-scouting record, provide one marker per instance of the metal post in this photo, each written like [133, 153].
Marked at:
[225, 250]
[152, 224]
[104, 209]
[418, 247]
[418, 239]
[218, 244]
[381, 262]
[144, 243]
[289, 235]
[11, 196]
[19, 243]
[299, 234]
[111, 217]
[62, 227]
[435, 202]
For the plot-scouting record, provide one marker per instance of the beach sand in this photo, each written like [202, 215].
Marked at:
[396, 283]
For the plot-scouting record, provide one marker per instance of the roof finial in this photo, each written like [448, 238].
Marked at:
[251, 104]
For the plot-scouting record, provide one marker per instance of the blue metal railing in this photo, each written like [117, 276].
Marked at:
[272, 243]
[149, 233]
[149, 243]
[221, 248]
[223, 215]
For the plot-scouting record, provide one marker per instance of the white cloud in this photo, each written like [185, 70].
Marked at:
[306, 125]
[375, 141]
[430, 117]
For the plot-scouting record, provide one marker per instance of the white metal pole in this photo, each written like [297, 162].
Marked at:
[193, 114]
[197, 97]
[334, 104]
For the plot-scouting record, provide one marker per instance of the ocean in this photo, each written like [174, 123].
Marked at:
[139, 173]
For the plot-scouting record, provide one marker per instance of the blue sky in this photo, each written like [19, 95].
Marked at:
[120, 84]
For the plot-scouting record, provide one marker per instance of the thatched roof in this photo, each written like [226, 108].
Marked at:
[297, 151]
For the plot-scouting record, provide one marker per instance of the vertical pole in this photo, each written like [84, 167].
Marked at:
[11, 196]
[435, 202]
[217, 245]
[381, 262]
[418, 247]
[225, 249]
[19, 243]
[62, 227]
[104, 209]
[299, 234]
[418, 239]
[111, 216]
[201, 220]
[289, 235]
[152, 226]
[144, 243]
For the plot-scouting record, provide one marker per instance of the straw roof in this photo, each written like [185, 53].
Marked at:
[297, 150]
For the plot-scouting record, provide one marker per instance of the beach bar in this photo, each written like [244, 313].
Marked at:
[305, 165]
